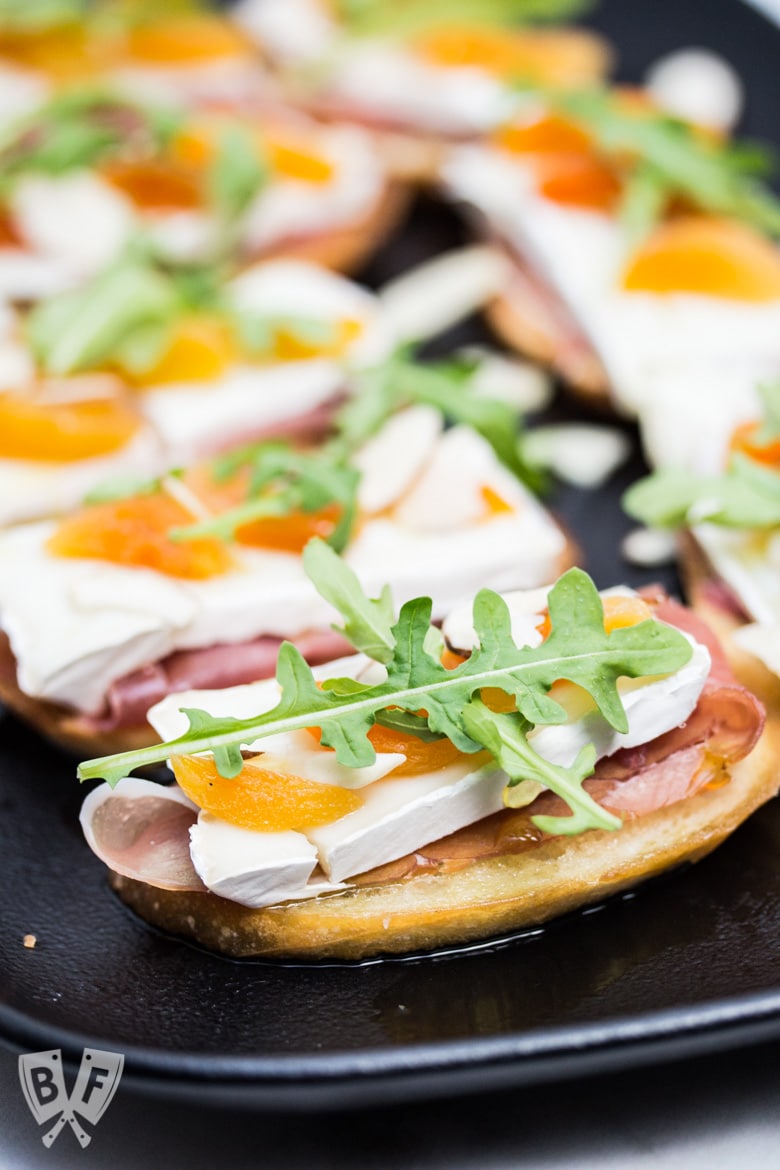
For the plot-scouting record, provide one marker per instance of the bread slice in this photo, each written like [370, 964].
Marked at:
[346, 248]
[488, 898]
[535, 338]
[61, 725]
[530, 319]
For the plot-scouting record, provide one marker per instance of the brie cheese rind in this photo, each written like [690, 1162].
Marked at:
[748, 561]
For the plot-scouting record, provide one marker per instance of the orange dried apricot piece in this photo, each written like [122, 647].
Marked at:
[707, 256]
[135, 531]
[619, 611]
[201, 348]
[744, 440]
[294, 158]
[185, 39]
[63, 431]
[263, 800]
[155, 184]
[551, 56]
[290, 533]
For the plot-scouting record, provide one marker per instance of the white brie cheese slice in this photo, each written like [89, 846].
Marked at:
[254, 869]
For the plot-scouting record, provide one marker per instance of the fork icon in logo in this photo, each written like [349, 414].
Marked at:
[43, 1084]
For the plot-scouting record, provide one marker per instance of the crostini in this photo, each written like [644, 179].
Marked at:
[195, 578]
[416, 77]
[560, 747]
[642, 247]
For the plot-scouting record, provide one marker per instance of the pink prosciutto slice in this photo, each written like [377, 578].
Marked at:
[205, 668]
[142, 830]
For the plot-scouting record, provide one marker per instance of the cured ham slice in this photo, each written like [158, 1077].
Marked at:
[205, 668]
[142, 832]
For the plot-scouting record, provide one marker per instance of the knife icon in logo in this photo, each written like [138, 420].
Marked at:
[43, 1084]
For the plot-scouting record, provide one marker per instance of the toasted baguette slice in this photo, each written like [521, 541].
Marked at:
[531, 320]
[487, 898]
[345, 249]
[63, 727]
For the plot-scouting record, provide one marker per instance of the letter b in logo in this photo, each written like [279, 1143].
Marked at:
[44, 1085]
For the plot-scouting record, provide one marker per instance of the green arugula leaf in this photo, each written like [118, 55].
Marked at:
[369, 621]
[408, 724]
[224, 525]
[763, 478]
[744, 496]
[80, 128]
[227, 757]
[122, 487]
[505, 735]
[200, 287]
[769, 430]
[38, 15]
[577, 649]
[674, 160]
[283, 481]
[434, 644]
[409, 18]
[643, 202]
[236, 175]
[81, 330]
[448, 387]
[125, 314]
[142, 347]
[258, 332]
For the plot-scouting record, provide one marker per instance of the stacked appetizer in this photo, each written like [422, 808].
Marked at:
[180, 52]
[557, 747]
[195, 578]
[414, 75]
[644, 268]
[151, 365]
[90, 170]
[729, 543]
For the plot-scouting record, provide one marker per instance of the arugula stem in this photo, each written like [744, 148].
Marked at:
[408, 699]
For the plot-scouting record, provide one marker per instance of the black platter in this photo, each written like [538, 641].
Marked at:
[688, 964]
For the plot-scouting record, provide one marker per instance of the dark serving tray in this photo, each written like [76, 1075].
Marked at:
[688, 964]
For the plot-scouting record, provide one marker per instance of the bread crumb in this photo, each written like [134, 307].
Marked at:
[29, 941]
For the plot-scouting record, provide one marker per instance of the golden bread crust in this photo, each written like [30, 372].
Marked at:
[345, 249]
[487, 898]
[61, 726]
[534, 338]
